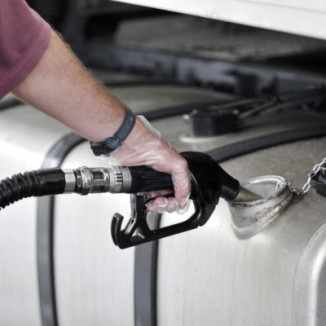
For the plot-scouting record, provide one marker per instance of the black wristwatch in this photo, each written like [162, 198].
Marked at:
[108, 145]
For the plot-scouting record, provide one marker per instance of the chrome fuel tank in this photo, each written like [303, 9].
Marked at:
[208, 276]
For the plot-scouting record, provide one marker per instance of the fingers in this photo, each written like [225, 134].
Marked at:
[167, 204]
[163, 204]
[178, 168]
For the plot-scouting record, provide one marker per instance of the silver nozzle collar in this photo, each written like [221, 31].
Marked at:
[120, 179]
[70, 181]
[114, 179]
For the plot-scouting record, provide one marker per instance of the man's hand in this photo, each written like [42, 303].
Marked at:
[145, 147]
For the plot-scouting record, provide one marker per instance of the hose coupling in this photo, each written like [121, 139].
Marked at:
[86, 180]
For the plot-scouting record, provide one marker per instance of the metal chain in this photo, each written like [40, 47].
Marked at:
[306, 187]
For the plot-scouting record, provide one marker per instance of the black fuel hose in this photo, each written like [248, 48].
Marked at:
[31, 184]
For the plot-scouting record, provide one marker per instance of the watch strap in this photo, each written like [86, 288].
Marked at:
[108, 145]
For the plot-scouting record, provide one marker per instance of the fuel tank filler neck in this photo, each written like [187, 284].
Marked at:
[249, 217]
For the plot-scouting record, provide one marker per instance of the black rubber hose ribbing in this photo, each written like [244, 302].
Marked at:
[31, 184]
[17, 187]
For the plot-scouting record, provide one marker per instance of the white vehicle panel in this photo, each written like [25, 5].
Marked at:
[292, 16]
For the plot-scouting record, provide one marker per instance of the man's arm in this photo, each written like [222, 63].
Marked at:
[62, 88]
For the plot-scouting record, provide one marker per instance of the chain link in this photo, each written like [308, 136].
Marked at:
[306, 187]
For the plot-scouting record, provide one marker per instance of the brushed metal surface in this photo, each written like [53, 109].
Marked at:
[216, 278]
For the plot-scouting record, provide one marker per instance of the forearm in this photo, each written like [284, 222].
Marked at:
[61, 87]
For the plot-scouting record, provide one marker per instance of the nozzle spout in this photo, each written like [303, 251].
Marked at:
[246, 195]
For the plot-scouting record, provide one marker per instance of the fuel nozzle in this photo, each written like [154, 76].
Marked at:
[118, 179]
[209, 182]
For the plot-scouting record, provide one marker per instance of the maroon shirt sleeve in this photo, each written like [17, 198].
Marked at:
[24, 36]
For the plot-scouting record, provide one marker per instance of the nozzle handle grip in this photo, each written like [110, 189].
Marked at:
[144, 179]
